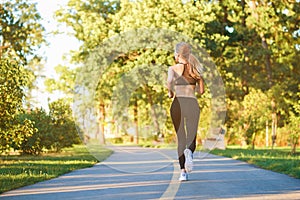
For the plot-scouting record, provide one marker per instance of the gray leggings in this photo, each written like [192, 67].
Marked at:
[185, 113]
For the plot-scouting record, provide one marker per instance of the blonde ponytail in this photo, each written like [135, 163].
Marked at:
[196, 67]
[184, 49]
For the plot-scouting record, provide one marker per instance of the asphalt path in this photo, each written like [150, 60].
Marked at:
[141, 173]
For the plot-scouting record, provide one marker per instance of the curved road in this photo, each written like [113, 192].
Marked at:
[138, 173]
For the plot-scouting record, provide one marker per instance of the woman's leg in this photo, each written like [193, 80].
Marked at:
[192, 115]
[178, 122]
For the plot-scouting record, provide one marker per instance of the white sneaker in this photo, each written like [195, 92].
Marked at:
[183, 176]
[188, 160]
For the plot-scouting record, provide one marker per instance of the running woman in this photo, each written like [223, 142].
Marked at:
[186, 79]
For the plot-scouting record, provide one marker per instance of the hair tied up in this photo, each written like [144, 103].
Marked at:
[184, 49]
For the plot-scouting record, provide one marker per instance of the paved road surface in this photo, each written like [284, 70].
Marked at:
[135, 173]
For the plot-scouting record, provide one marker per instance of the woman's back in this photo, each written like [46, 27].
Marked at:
[184, 83]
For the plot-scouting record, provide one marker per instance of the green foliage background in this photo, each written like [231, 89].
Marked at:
[254, 44]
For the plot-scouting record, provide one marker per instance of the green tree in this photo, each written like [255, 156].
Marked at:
[64, 130]
[294, 123]
[42, 138]
[21, 37]
[262, 45]
[254, 115]
[260, 53]
[253, 43]
[294, 132]
[91, 22]
[21, 32]
[13, 80]
[65, 82]
[188, 18]
[52, 131]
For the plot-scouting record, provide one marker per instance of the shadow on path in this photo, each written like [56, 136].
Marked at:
[138, 173]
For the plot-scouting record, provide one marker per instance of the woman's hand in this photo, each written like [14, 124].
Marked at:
[171, 94]
[200, 86]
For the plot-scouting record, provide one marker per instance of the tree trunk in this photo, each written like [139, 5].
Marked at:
[246, 56]
[1, 49]
[294, 145]
[267, 133]
[274, 127]
[101, 123]
[244, 13]
[153, 111]
[274, 122]
[135, 112]
[267, 60]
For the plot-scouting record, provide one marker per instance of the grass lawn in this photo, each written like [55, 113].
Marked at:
[18, 171]
[278, 160]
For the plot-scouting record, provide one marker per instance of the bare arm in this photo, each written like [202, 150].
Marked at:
[169, 82]
[200, 87]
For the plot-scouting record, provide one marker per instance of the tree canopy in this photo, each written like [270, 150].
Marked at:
[254, 44]
[249, 47]
[23, 128]
[21, 32]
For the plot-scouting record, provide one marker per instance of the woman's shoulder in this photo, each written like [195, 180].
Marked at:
[176, 68]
